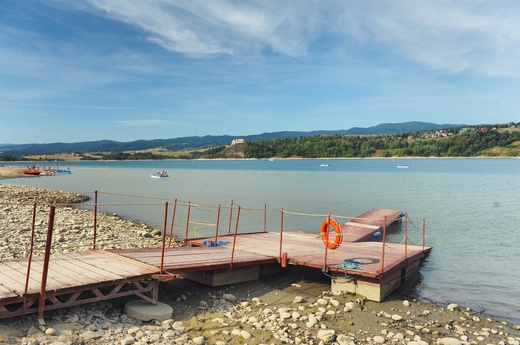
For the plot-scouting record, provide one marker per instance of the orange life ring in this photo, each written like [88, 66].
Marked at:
[324, 233]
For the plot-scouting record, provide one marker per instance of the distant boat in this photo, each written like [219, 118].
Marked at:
[324, 165]
[160, 174]
[63, 171]
[403, 166]
[34, 172]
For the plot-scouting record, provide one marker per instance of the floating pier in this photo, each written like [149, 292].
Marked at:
[371, 269]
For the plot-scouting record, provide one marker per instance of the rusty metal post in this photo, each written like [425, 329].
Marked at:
[187, 224]
[163, 244]
[230, 218]
[281, 235]
[406, 235]
[29, 260]
[216, 228]
[265, 217]
[173, 220]
[95, 220]
[45, 269]
[383, 249]
[234, 239]
[324, 268]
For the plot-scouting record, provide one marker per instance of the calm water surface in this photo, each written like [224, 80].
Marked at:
[471, 208]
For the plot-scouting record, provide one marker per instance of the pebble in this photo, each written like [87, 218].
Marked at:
[452, 306]
[245, 334]
[326, 335]
[397, 317]
[229, 297]
[298, 299]
[199, 340]
[50, 331]
[322, 301]
[379, 339]
[450, 341]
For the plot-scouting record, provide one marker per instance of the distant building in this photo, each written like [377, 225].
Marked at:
[237, 141]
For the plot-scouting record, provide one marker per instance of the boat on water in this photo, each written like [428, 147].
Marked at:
[403, 166]
[34, 172]
[324, 165]
[63, 171]
[160, 174]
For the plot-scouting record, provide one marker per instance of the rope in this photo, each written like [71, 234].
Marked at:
[350, 264]
[207, 224]
[410, 221]
[316, 215]
[333, 278]
[132, 196]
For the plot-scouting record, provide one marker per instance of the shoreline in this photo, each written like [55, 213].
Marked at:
[18, 163]
[293, 307]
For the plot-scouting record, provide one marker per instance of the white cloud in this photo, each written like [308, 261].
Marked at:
[480, 37]
[477, 36]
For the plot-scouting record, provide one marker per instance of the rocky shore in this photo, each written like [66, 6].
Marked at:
[294, 307]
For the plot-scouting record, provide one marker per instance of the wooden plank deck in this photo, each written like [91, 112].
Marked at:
[68, 271]
[195, 259]
[363, 227]
[308, 250]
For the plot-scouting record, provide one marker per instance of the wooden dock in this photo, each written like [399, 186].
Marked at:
[72, 279]
[373, 269]
[365, 226]
[308, 250]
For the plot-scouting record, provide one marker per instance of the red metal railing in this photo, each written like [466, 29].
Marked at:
[282, 256]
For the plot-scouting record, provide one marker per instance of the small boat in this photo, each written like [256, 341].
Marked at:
[63, 171]
[403, 166]
[160, 174]
[35, 172]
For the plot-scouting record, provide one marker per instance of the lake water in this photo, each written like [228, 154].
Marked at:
[471, 208]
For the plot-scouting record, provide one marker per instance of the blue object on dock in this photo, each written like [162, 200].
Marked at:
[351, 264]
[210, 243]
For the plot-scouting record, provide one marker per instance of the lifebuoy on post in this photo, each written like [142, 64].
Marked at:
[324, 233]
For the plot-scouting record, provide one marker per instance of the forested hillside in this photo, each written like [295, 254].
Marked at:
[495, 140]
[459, 142]
[204, 142]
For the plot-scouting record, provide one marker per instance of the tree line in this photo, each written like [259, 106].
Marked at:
[462, 142]
[468, 144]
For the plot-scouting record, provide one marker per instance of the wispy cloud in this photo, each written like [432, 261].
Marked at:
[190, 67]
[479, 37]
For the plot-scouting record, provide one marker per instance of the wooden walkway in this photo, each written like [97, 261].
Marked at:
[72, 279]
[363, 227]
[96, 275]
[196, 259]
[308, 250]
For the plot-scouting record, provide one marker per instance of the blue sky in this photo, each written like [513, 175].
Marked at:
[88, 70]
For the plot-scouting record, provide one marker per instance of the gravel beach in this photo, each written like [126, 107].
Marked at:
[295, 307]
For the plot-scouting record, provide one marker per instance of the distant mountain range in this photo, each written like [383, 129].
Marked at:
[195, 142]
